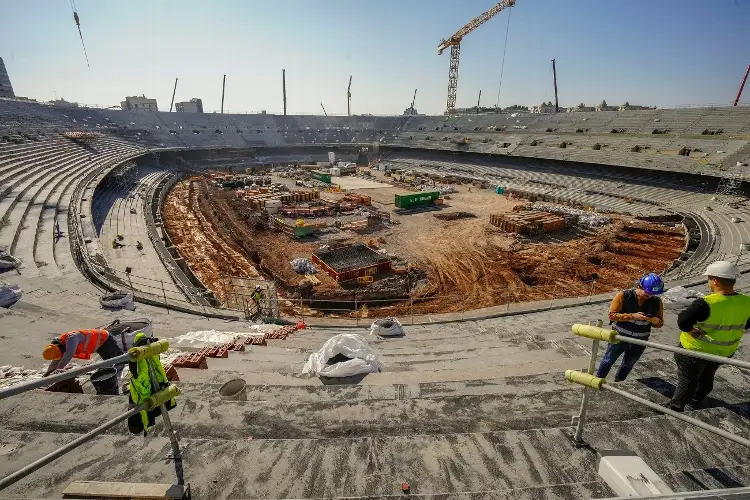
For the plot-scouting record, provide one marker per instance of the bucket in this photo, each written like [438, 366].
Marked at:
[234, 390]
[105, 381]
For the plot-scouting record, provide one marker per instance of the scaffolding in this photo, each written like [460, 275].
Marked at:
[729, 184]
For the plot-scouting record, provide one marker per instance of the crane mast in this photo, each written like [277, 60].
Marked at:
[454, 42]
[349, 97]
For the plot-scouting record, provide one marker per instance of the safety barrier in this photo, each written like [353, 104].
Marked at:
[157, 400]
[589, 381]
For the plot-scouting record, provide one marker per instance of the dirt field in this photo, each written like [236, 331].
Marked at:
[468, 262]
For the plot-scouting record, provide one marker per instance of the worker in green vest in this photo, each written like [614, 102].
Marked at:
[713, 325]
[141, 388]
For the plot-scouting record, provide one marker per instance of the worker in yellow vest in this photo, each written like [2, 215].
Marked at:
[713, 325]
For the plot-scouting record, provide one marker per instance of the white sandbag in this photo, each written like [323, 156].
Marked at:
[362, 358]
[679, 297]
[387, 327]
[118, 300]
[9, 294]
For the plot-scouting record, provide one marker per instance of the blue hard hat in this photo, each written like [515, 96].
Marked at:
[652, 284]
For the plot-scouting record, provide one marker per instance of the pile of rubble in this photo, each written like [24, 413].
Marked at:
[589, 219]
[303, 266]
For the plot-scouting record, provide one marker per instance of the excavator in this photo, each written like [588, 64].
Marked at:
[454, 42]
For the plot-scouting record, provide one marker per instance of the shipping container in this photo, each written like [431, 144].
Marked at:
[320, 176]
[302, 231]
[416, 199]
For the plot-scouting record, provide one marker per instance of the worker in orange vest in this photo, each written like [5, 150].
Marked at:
[79, 344]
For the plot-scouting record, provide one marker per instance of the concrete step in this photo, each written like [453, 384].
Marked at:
[510, 464]
[355, 411]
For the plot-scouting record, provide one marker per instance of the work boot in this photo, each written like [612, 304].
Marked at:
[674, 406]
[695, 405]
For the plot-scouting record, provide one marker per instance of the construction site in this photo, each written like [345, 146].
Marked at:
[405, 242]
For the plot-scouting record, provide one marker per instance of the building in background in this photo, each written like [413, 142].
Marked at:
[194, 105]
[141, 103]
[6, 89]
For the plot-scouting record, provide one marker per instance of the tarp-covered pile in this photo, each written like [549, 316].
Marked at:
[343, 355]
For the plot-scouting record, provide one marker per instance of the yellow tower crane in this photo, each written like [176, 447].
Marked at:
[454, 42]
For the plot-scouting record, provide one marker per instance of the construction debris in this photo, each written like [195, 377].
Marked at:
[454, 215]
[303, 266]
[585, 218]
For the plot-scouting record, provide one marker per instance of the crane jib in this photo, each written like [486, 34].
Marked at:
[455, 41]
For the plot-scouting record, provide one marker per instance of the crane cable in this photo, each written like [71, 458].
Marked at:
[78, 24]
[502, 66]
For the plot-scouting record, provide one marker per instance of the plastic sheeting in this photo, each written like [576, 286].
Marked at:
[678, 297]
[387, 327]
[203, 338]
[362, 358]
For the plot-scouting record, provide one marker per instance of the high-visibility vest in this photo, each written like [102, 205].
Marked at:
[94, 340]
[141, 388]
[724, 326]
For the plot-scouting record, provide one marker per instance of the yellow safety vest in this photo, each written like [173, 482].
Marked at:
[724, 326]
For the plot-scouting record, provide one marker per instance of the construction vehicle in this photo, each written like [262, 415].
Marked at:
[454, 42]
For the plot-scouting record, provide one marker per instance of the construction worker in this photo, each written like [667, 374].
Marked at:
[257, 296]
[633, 313]
[713, 325]
[140, 386]
[79, 344]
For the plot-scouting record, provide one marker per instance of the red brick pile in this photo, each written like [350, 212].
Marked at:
[198, 359]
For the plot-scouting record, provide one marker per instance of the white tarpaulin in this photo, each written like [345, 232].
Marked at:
[202, 338]
[362, 358]
[679, 297]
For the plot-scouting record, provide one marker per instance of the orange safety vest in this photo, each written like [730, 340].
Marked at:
[94, 340]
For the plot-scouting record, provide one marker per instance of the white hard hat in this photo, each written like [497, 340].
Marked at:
[723, 269]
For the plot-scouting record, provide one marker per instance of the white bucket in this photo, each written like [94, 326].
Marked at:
[234, 390]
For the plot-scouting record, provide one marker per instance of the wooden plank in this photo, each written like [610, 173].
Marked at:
[140, 491]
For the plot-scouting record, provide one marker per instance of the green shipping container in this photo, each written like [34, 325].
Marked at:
[321, 176]
[416, 199]
[299, 232]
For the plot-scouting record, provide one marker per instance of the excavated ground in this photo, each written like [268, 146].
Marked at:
[468, 263]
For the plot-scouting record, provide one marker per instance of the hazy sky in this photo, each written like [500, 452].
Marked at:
[652, 52]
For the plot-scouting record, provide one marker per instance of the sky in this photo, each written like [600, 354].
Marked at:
[649, 52]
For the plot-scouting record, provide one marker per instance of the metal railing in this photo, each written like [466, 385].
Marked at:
[156, 400]
[589, 381]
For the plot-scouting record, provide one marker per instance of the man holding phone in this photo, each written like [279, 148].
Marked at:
[633, 313]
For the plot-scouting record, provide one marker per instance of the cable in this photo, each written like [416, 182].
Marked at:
[502, 66]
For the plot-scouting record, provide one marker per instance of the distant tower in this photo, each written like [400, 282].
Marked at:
[6, 89]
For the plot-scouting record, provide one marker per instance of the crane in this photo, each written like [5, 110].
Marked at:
[349, 97]
[454, 42]
[742, 86]
[412, 102]
[78, 24]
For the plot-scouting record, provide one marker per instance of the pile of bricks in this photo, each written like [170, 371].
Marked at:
[198, 359]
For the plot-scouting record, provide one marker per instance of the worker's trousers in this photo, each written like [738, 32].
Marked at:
[695, 380]
[632, 353]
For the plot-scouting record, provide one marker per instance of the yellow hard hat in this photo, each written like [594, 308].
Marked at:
[51, 352]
